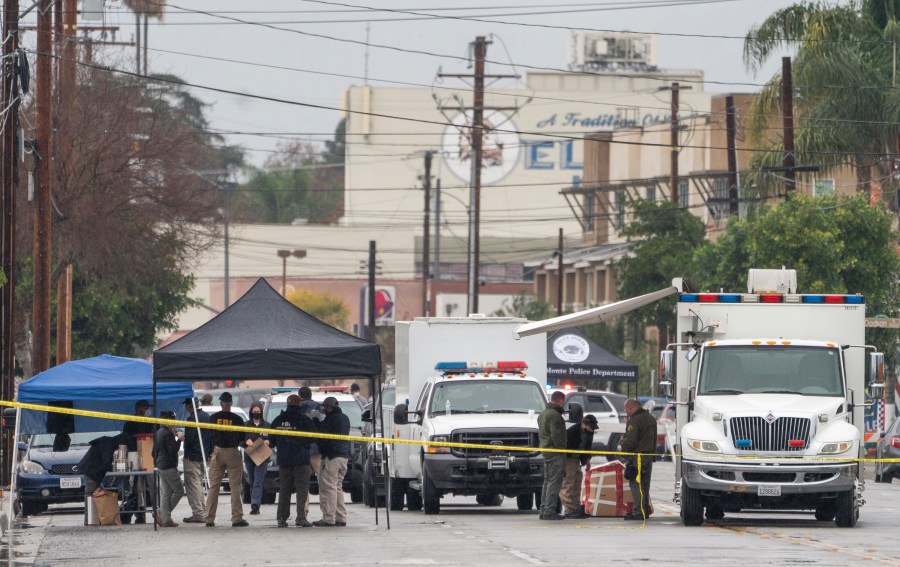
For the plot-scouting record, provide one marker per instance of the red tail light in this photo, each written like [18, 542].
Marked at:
[895, 442]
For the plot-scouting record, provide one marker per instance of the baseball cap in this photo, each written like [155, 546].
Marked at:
[141, 404]
[591, 421]
[190, 401]
[330, 402]
[354, 387]
[167, 414]
[225, 397]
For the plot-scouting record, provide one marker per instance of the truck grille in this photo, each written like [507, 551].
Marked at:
[756, 434]
[500, 438]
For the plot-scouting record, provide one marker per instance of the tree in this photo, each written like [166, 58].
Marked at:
[837, 245]
[132, 210]
[843, 73]
[526, 306]
[664, 239]
[324, 306]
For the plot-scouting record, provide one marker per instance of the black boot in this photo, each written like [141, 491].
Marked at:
[254, 509]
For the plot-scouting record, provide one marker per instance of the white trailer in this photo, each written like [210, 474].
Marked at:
[770, 389]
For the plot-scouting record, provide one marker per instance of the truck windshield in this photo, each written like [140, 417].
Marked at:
[487, 396]
[766, 369]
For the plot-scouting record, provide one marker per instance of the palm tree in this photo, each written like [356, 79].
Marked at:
[844, 76]
[146, 9]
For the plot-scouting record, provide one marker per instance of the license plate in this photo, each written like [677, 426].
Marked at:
[495, 464]
[770, 490]
[70, 482]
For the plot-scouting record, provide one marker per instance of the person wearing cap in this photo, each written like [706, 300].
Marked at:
[226, 455]
[354, 391]
[313, 410]
[579, 437]
[640, 438]
[140, 491]
[167, 442]
[335, 454]
[552, 435]
[293, 462]
[197, 451]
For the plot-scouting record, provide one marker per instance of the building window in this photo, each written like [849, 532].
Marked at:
[651, 193]
[823, 188]
[683, 200]
[620, 209]
[720, 193]
[589, 288]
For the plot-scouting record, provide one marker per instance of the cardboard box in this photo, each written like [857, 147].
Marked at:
[606, 492]
[145, 450]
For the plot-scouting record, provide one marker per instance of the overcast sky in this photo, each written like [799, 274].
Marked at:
[282, 49]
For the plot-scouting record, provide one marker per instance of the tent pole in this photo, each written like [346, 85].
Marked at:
[200, 437]
[11, 511]
[376, 397]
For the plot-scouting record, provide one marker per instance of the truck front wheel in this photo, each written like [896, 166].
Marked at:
[846, 512]
[525, 501]
[431, 498]
[398, 491]
[691, 506]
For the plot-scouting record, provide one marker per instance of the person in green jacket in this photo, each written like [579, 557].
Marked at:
[552, 435]
[640, 437]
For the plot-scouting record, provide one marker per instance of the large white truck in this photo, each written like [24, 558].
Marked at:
[770, 389]
[469, 380]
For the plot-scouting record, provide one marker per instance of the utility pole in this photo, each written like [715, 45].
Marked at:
[560, 278]
[64, 316]
[732, 156]
[426, 184]
[42, 203]
[436, 273]
[787, 108]
[675, 149]
[8, 163]
[370, 315]
[479, 48]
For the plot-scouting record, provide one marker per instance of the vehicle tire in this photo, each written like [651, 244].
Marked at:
[613, 445]
[32, 508]
[691, 506]
[368, 489]
[525, 501]
[715, 512]
[431, 498]
[825, 510]
[884, 478]
[398, 492]
[413, 500]
[269, 497]
[846, 510]
[489, 499]
[356, 490]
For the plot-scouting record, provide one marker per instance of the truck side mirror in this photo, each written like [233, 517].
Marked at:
[666, 372]
[367, 416]
[401, 414]
[876, 375]
[576, 412]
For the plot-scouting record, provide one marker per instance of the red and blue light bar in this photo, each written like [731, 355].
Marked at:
[771, 298]
[458, 367]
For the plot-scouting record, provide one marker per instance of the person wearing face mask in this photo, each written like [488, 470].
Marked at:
[256, 474]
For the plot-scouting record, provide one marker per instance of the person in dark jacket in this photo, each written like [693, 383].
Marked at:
[579, 437]
[197, 450]
[134, 428]
[98, 460]
[313, 410]
[167, 443]
[640, 437]
[552, 435]
[293, 461]
[256, 474]
[335, 454]
[226, 456]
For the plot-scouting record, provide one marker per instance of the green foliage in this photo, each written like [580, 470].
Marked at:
[527, 306]
[2, 278]
[664, 239]
[324, 306]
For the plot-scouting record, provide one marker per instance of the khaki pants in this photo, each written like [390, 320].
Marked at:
[315, 468]
[222, 460]
[331, 492]
[570, 494]
[193, 487]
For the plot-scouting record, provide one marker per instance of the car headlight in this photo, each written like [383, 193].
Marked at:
[33, 467]
[704, 446]
[439, 439]
[836, 448]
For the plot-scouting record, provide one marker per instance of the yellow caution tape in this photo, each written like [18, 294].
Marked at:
[316, 435]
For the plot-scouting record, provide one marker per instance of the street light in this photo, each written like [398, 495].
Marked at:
[284, 255]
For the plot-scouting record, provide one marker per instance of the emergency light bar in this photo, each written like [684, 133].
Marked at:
[771, 298]
[481, 367]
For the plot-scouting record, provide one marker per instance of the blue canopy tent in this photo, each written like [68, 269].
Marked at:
[104, 383]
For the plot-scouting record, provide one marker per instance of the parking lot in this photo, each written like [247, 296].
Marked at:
[468, 534]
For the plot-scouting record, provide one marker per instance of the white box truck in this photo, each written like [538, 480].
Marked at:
[468, 380]
[771, 392]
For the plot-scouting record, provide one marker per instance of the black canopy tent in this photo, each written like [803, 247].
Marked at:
[262, 336]
[571, 355]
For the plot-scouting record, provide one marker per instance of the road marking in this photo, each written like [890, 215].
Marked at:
[522, 555]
